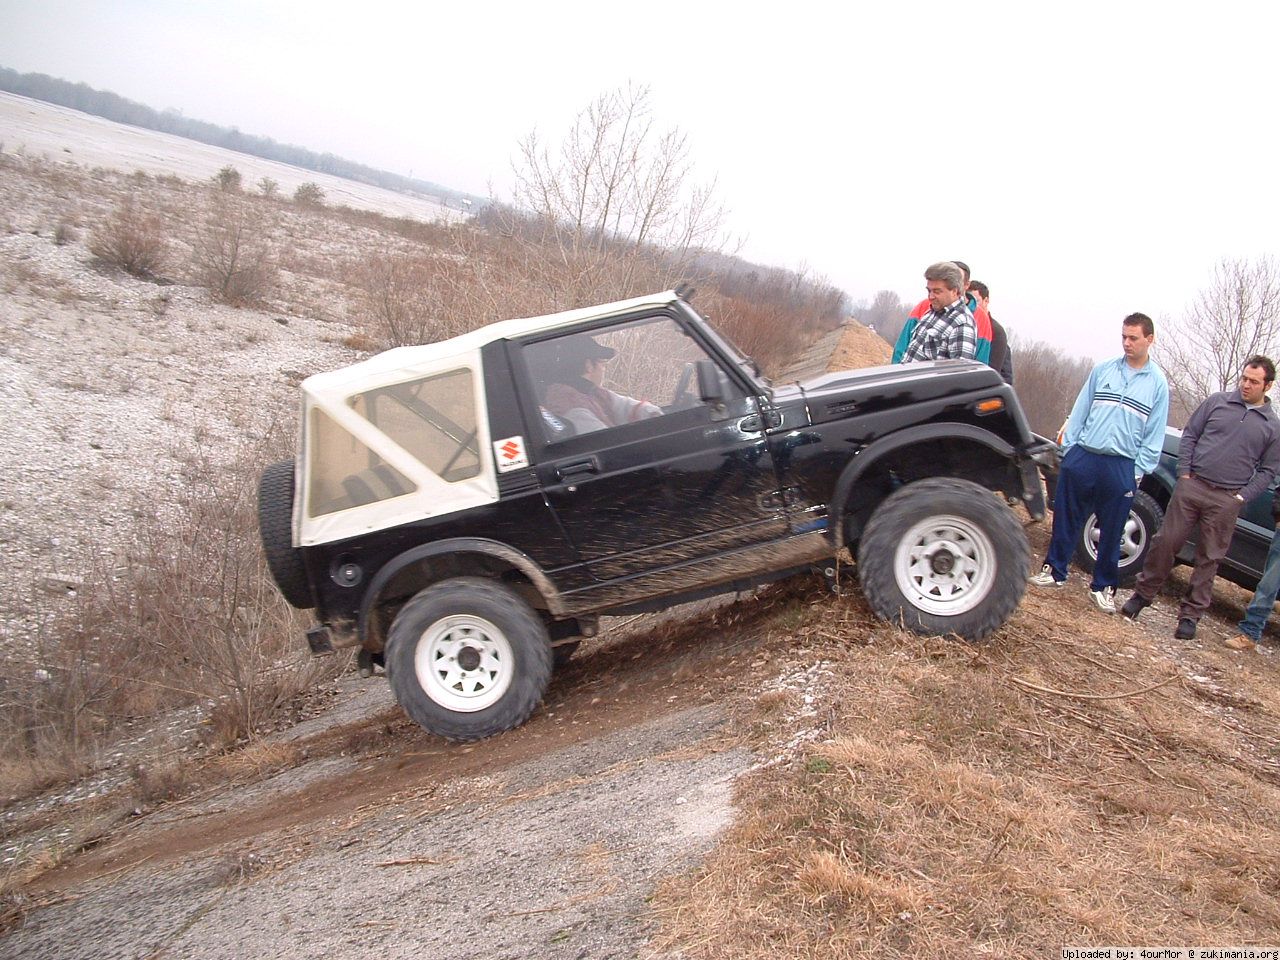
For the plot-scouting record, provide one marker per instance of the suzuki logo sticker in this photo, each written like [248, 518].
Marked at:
[510, 454]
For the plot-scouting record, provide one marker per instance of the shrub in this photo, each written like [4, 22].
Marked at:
[398, 296]
[309, 194]
[228, 178]
[64, 233]
[230, 253]
[186, 614]
[268, 187]
[130, 239]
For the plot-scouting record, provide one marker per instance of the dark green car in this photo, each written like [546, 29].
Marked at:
[1245, 557]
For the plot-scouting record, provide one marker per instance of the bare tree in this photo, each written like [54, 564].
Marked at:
[411, 297]
[131, 239]
[1048, 382]
[1235, 317]
[615, 199]
[230, 253]
[886, 314]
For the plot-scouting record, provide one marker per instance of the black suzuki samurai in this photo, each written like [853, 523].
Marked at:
[465, 511]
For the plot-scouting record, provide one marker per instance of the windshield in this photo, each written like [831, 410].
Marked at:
[730, 349]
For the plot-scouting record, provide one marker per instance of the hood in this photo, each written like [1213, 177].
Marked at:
[836, 395]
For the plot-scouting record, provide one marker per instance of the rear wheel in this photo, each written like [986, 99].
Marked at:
[467, 658]
[944, 556]
[1145, 517]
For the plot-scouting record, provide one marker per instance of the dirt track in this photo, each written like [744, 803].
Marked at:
[544, 842]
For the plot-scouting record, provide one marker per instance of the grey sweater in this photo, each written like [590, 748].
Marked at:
[1231, 445]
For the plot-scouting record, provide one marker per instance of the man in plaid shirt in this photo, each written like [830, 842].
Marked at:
[947, 331]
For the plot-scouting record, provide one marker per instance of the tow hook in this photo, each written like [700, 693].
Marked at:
[831, 576]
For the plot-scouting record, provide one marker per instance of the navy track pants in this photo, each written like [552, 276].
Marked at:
[1088, 483]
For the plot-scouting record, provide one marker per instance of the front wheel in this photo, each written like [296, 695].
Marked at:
[1145, 517]
[467, 658]
[944, 556]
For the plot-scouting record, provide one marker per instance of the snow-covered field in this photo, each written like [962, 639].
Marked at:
[62, 135]
[110, 384]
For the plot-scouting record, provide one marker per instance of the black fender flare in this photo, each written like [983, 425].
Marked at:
[865, 457]
[493, 548]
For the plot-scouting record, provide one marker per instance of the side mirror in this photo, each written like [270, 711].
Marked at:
[711, 386]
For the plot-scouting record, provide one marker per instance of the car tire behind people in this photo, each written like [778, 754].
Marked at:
[466, 658]
[1145, 517]
[944, 556]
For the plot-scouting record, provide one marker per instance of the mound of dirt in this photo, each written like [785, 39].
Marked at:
[850, 346]
[858, 347]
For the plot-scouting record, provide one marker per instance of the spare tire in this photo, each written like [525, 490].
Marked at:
[275, 525]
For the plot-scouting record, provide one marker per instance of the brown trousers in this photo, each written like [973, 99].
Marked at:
[1214, 511]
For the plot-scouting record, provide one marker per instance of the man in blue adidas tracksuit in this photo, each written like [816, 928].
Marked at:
[1114, 436]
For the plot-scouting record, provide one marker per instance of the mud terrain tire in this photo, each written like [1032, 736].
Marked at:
[944, 556]
[275, 525]
[467, 658]
[1145, 517]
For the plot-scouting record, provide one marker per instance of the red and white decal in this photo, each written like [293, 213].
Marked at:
[510, 454]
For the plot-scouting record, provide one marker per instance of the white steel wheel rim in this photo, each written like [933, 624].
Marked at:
[464, 663]
[945, 565]
[1132, 539]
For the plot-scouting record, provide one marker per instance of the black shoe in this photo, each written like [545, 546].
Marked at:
[1186, 629]
[1134, 606]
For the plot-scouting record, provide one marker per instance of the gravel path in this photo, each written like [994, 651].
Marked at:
[554, 857]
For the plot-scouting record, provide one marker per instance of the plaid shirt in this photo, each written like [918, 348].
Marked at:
[948, 335]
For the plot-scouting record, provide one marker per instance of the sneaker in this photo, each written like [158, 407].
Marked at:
[1239, 642]
[1186, 629]
[1045, 578]
[1134, 606]
[1104, 599]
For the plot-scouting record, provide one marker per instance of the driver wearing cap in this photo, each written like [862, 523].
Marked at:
[578, 395]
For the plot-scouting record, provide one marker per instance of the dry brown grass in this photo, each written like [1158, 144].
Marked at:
[186, 615]
[231, 252]
[952, 806]
[132, 239]
[257, 760]
[423, 281]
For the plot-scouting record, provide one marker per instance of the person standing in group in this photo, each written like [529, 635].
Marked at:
[1114, 435]
[1001, 358]
[981, 322]
[946, 331]
[1264, 598]
[1229, 454]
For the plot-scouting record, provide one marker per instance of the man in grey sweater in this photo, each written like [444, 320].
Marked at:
[1230, 453]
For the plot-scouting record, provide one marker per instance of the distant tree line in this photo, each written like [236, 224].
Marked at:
[110, 106]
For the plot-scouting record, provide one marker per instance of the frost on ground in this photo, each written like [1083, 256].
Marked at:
[109, 385]
[50, 132]
[550, 858]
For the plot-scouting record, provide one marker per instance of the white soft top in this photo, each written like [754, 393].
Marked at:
[320, 517]
[428, 356]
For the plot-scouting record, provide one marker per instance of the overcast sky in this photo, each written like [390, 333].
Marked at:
[1087, 159]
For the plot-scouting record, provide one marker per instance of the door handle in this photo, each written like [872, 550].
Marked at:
[751, 424]
[576, 468]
